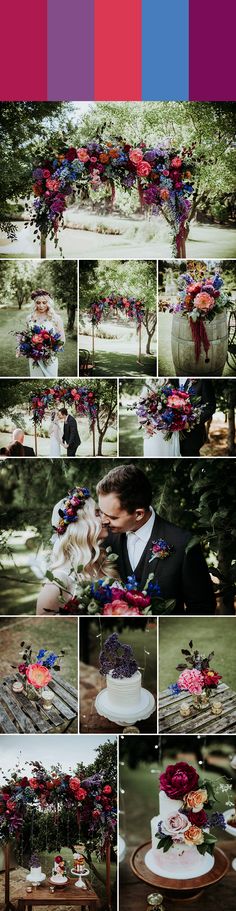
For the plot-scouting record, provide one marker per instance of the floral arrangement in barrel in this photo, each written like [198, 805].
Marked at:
[92, 799]
[82, 398]
[193, 822]
[163, 175]
[168, 410]
[38, 343]
[36, 670]
[200, 299]
[117, 659]
[196, 676]
[134, 309]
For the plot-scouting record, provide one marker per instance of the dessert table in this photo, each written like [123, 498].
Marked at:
[21, 715]
[171, 721]
[69, 895]
[91, 684]
[221, 894]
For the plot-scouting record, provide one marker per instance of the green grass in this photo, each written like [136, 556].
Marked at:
[12, 320]
[139, 640]
[111, 364]
[130, 437]
[165, 362]
[55, 634]
[208, 635]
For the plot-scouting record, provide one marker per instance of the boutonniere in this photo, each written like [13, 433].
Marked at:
[161, 550]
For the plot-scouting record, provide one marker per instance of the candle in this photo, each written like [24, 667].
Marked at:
[155, 901]
[28, 889]
[217, 708]
[17, 686]
[51, 889]
[47, 697]
[185, 710]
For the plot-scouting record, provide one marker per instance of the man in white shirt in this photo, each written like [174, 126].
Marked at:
[133, 527]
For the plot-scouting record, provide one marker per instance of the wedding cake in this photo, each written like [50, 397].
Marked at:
[59, 873]
[78, 863]
[182, 846]
[36, 873]
[123, 699]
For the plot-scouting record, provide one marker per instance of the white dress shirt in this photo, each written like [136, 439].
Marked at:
[183, 380]
[137, 540]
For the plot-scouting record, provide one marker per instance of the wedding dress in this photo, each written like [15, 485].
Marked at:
[40, 368]
[155, 447]
[55, 439]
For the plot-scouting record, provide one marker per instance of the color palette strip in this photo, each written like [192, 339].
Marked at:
[131, 50]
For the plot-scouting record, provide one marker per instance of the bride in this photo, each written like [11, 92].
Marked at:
[77, 540]
[45, 316]
[154, 444]
[55, 433]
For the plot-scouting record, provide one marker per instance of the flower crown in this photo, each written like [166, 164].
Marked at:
[75, 501]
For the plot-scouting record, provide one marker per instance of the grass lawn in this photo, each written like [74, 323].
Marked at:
[12, 320]
[111, 364]
[208, 635]
[165, 362]
[130, 437]
[41, 632]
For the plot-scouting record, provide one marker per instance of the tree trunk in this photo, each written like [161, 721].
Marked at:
[100, 442]
[231, 431]
[148, 345]
[71, 311]
[227, 598]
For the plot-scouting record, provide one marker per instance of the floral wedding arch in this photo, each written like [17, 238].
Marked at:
[80, 397]
[90, 801]
[117, 303]
[162, 175]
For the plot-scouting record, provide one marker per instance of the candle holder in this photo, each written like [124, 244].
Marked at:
[185, 710]
[17, 686]
[155, 900]
[217, 708]
[47, 697]
[130, 729]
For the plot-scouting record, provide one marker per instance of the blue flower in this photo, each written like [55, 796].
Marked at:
[41, 654]
[174, 689]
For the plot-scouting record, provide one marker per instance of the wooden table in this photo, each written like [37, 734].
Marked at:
[91, 684]
[18, 714]
[70, 895]
[134, 892]
[171, 721]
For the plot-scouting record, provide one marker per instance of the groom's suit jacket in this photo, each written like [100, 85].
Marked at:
[191, 442]
[70, 434]
[181, 576]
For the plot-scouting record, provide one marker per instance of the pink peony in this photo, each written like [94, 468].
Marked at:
[136, 156]
[144, 169]
[204, 301]
[119, 609]
[191, 680]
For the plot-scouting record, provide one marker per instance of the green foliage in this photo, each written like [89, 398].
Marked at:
[101, 278]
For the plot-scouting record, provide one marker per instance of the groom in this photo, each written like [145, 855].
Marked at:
[134, 529]
[70, 432]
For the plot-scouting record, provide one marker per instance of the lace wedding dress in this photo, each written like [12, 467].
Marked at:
[55, 434]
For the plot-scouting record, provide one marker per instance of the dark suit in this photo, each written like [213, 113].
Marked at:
[182, 576]
[71, 435]
[28, 451]
[191, 442]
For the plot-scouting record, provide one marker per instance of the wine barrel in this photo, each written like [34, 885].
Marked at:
[183, 349]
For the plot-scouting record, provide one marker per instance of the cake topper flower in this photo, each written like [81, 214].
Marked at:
[117, 659]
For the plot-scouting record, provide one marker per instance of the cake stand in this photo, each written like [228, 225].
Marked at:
[121, 849]
[31, 879]
[178, 891]
[126, 714]
[79, 882]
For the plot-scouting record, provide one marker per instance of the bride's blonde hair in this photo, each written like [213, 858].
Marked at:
[51, 312]
[80, 543]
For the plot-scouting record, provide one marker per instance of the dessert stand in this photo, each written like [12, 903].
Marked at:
[126, 715]
[178, 892]
[31, 878]
[79, 882]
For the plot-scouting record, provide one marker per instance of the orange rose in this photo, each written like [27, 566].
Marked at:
[136, 156]
[164, 193]
[196, 799]
[204, 301]
[114, 153]
[82, 155]
[104, 157]
[193, 836]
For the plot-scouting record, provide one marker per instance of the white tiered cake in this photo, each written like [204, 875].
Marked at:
[180, 860]
[124, 699]
[124, 691]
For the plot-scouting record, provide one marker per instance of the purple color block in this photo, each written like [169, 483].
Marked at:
[70, 50]
[212, 75]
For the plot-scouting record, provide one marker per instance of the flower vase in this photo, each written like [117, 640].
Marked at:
[31, 692]
[183, 348]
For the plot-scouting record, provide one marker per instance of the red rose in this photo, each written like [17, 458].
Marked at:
[71, 154]
[23, 782]
[211, 678]
[96, 814]
[197, 819]
[178, 779]
[138, 599]
[58, 859]
[11, 805]
[33, 783]
[74, 784]
[81, 794]
[22, 669]
[107, 789]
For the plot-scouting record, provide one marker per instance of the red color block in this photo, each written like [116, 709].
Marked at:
[23, 51]
[118, 50]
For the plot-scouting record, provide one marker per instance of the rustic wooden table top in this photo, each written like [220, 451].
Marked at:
[134, 892]
[91, 683]
[171, 721]
[18, 714]
[70, 894]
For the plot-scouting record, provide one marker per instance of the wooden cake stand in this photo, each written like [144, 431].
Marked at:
[178, 890]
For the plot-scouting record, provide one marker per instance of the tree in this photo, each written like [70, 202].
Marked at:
[225, 391]
[63, 277]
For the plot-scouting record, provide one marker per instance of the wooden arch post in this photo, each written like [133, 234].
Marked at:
[94, 440]
[35, 439]
[93, 343]
[42, 246]
[139, 343]
[108, 873]
[8, 904]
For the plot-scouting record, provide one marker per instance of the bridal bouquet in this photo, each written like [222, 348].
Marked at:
[169, 410]
[197, 677]
[110, 598]
[38, 343]
[200, 301]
